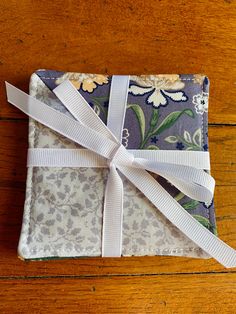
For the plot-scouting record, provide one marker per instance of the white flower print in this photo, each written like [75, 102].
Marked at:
[187, 141]
[87, 82]
[201, 102]
[208, 204]
[160, 88]
[125, 136]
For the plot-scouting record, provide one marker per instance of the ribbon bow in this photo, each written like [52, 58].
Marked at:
[184, 169]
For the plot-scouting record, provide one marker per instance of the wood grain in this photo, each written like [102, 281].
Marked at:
[117, 37]
[139, 294]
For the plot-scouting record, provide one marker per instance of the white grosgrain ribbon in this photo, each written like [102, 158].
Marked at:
[103, 146]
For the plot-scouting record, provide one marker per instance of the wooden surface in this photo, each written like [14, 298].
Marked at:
[117, 37]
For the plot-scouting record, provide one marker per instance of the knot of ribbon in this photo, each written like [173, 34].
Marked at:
[120, 157]
[186, 170]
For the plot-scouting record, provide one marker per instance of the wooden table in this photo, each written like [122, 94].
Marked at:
[117, 37]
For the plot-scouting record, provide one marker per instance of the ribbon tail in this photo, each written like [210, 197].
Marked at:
[177, 215]
[113, 215]
[80, 109]
[61, 123]
[195, 183]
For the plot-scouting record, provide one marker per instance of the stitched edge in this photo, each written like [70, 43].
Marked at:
[29, 184]
[127, 252]
[204, 130]
[54, 78]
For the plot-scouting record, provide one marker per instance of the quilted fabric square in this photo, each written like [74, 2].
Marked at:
[64, 206]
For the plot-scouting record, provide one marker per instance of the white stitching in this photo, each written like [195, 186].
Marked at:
[173, 250]
[54, 78]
